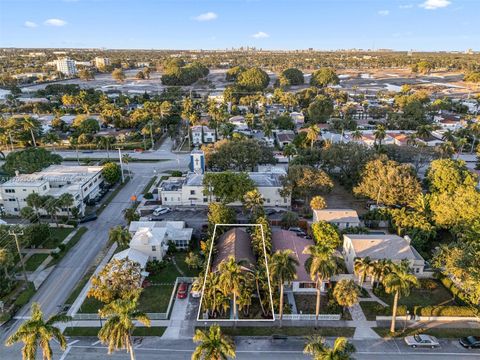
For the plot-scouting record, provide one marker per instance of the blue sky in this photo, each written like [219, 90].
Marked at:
[268, 24]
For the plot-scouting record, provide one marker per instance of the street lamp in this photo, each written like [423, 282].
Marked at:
[407, 317]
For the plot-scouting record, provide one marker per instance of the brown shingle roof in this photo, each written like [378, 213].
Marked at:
[235, 242]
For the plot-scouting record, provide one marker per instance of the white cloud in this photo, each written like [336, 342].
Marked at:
[208, 16]
[384, 12]
[406, 6]
[30, 24]
[435, 4]
[55, 22]
[260, 35]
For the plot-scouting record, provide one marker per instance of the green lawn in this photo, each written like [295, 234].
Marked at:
[34, 261]
[307, 304]
[437, 332]
[93, 331]
[371, 309]
[24, 297]
[422, 297]
[290, 331]
[57, 235]
[154, 299]
[180, 259]
[147, 187]
[90, 306]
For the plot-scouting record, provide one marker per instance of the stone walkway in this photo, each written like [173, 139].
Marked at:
[374, 297]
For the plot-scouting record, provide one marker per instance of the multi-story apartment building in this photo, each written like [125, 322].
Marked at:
[66, 66]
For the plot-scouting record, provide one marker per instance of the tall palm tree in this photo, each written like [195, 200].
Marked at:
[323, 265]
[126, 159]
[231, 278]
[312, 134]
[104, 142]
[66, 200]
[424, 131]
[362, 267]
[412, 139]
[116, 332]
[253, 200]
[283, 269]
[35, 201]
[212, 345]
[447, 149]
[30, 124]
[51, 206]
[289, 150]
[380, 133]
[38, 332]
[474, 129]
[356, 134]
[120, 235]
[346, 293]
[51, 138]
[449, 135]
[341, 350]
[460, 145]
[399, 282]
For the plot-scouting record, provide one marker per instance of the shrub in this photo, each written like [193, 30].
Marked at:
[461, 311]
[458, 294]
[155, 266]
[428, 284]
[148, 196]
[62, 247]
[176, 173]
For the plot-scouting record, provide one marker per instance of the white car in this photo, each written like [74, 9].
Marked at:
[160, 211]
[422, 340]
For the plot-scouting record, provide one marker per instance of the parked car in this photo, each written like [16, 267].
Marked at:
[182, 291]
[160, 211]
[87, 218]
[195, 294]
[470, 342]
[298, 231]
[270, 211]
[421, 340]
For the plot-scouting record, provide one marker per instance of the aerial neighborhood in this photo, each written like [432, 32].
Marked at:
[243, 202]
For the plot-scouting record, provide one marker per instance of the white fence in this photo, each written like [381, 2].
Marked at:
[321, 317]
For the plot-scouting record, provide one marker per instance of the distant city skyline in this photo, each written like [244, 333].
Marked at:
[422, 25]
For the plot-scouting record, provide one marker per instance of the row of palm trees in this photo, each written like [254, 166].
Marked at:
[47, 203]
[213, 345]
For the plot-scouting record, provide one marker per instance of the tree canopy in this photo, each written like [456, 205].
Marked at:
[29, 161]
[227, 186]
[324, 77]
[294, 76]
[253, 79]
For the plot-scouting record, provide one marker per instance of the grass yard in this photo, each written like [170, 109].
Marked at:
[90, 306]
[155, 298]
[34, 261]
[289, 331]
[180, 259]
[437, 332]
[57, 235]
[422, 297]
[93, 331]
[341, 198]
[307, 303]
[24, 297]
[371, 309]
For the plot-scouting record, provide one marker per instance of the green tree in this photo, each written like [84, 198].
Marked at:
[289, 150]
[66, 201]
[305, 181]
[320, 109]
[388, 182]
[253, 201]
[32, 125]
[35, 201]
[111, 172]
[212, 345]
[294, 76]
[231, 278]
[117, 330]
[362, 267]
[341, 350]
[398, 282]
[447, 175]
[312, 134]
[118, 75]
[120, 235]
[253, 79]
[326, 234]
[105, 142]
[289, 219]
[346, 293]
[324, 77]
[380, 133]
[130, 215]
[28, 214]
[37, 332]
[29, 161]
[322, 265]
[86, 75]
[282, 271]
[227, 186]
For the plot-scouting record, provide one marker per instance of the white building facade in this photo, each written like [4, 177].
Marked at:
[66, 66]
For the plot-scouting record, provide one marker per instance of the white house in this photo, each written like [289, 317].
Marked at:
[376, 247]
[298, 118]
[343, 218]
[189, 190]
[175, 231]
[239, 122]
[197, 138]
[82, 182]
[150, 241]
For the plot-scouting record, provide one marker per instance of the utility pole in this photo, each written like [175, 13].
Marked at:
[121, 164]
[15, 235]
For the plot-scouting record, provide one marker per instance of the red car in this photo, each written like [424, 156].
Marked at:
[182, 291]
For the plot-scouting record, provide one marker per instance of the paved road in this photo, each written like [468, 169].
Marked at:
[56, 289]
[156, 348]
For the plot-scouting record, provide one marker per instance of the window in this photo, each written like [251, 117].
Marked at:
[154, 248]
[154, 258]
[11, 199]
[268, 201]
[192, 192]
[205, 200]
[307, 285]
[9, 191]
[15, 209]
[24, 189]
[417, 270]
[166, 199]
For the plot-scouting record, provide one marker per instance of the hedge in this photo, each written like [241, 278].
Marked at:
[461, 311]
[458, 294]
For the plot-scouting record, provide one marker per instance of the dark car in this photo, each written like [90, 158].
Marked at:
[87, 218]
[470, 342]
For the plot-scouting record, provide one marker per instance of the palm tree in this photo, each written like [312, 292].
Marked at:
[424, 131]
[30, 124]
[121, 236]
[346, 293]
[447, 149]
[380, 133]
[412, 139]
[130, 215]
[289, 150]
[66, 200]
[253, 200]
[356, 135]
[231, 279]
[323, 265]
[312, 134]
[380, 269]
[126, 159]
[283, 269]
[116, 332]
[460, 145]
[212, 345]
[449, 135]
[35, 201]
[51, 138]
[104, 142]
[268, 128]
[319, 350]
[38, 332]
[51, 206]
[362, 267]
[399, 282]
[475, 132]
